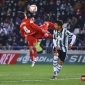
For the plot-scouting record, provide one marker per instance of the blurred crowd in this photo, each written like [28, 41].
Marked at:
[71, 12]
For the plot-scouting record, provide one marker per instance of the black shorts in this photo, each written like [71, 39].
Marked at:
[62, 54]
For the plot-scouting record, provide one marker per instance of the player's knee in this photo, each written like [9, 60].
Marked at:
[60, 62]
[34, 44]
[56, 54]
[30, 48]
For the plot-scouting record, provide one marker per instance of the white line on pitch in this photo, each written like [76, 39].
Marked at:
[30, 74]
[67, 79]
[40, 80]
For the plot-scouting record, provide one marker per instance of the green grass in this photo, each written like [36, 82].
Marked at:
[40, 75]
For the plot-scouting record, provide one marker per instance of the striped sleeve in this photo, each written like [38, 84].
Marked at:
[68, 33]
[72, 36]
[54, 39]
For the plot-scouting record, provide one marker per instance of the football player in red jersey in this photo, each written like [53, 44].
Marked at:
[31, 32]
[27, 29]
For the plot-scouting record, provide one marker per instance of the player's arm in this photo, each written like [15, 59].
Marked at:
[72, 36]
[54, 42]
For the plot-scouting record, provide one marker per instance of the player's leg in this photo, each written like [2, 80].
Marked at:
[31, 53]
[55, 62]
[45, 27]
[33, 43]
[30, 45]
[30, 48]
[61, 57]
[35, 51]
[38, 35]
[59, 66]
[41, 35]
[48, 35]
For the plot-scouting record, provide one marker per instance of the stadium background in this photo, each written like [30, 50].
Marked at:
[13, 48]
[71, 12]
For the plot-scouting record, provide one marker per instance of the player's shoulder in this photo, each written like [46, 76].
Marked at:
[65, 29]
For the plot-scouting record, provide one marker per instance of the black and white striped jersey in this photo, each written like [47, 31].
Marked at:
[60, 39]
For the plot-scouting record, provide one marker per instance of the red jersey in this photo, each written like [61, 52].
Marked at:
[28, 27]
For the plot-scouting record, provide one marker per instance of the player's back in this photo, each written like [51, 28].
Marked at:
[27, 24]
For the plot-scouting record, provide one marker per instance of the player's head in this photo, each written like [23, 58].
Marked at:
[32, 19]
[58, 24]
[22, 15]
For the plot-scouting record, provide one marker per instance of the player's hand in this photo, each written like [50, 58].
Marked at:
[69, 46]
[57, 48]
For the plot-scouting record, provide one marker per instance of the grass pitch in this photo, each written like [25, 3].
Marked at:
[40, 75]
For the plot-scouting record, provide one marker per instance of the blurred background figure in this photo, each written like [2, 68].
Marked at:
[39, 47]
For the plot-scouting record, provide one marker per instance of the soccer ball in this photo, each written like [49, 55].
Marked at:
[33, 8]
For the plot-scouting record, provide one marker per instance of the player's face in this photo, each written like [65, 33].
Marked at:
[33, 19]
[56, 26]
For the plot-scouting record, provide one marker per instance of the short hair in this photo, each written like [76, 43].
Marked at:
[22, 16]
[59, 22]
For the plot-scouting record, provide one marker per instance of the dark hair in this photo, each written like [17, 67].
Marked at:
[21, 15]
[59, 22]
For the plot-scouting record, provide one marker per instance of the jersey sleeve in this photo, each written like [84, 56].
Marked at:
[54, 39]
[72, 36]
[68, 33]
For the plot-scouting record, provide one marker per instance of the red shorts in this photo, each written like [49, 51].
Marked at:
[31, 40]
